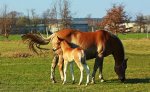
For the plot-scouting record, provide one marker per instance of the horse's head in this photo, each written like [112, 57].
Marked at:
[121, 69]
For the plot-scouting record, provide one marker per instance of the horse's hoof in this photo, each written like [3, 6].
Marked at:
[62, 80]
[79, 84]
[92, 82]
[86, 84]
[73, 82]
[102, 80]
[63, 83]
[122, 80]
[53, 81]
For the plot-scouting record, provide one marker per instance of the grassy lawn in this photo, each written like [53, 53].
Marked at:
[134, 36]
[32, 74]
[11, 37]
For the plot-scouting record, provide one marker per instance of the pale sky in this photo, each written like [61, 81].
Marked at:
[80, 8]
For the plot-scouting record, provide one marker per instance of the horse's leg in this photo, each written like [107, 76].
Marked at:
[72, 72]
[65, 70]
[96, 65]
[101, 68]
[53, 66]
[87, 72]
[60, 65]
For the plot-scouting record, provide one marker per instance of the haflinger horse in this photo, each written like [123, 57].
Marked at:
[98, 45]
[73, 54]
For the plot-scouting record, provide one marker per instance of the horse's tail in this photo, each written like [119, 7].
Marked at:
[35, 40]
[83, 57]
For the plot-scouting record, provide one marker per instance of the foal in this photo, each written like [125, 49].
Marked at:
[77, 55]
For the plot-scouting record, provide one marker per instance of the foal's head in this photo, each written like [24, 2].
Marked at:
[121, 69]
[56, 43]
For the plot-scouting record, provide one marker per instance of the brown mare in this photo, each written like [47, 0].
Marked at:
[98, 44]
[73, 54]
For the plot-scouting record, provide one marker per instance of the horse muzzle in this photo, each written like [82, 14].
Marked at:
[122, 79]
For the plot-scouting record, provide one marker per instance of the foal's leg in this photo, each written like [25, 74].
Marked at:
[79, 64]
[87, 72]
[65, 70]
[53, 66]
[60, 65]
[72, 72]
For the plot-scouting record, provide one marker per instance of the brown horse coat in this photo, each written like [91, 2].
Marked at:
[98, 44]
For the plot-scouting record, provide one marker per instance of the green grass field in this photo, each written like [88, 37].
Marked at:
[32, 74]
[134, 36]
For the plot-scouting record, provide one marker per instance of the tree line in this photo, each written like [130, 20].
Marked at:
[60, 12]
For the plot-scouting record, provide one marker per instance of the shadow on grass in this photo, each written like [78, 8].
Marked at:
[130, 81]
[138, 80]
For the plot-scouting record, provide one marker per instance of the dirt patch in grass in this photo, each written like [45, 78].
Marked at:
[16, 54]
[20, 54]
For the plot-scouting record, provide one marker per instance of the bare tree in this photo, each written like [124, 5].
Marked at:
[140, 21]
[93, 23]
[5, 22]
[50, 17]
[22, 21]
[114, 19]
[65, 13]
[35, 19]
[59, 15]
[90, 22]
[13, 16]
[53, 15]
[46, 19]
